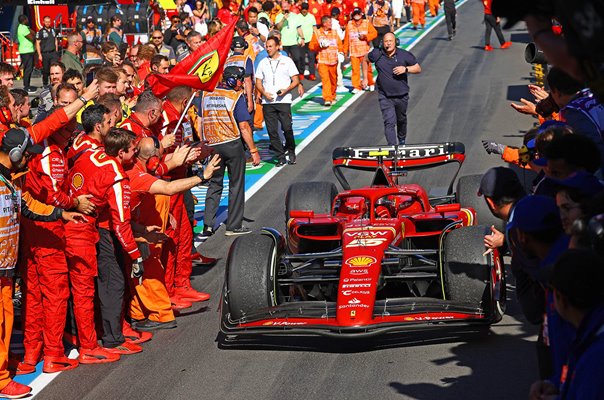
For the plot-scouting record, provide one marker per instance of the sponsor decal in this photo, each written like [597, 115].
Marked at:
[371, 242]
[77, 181]
[356, 285]
[354, 300]
[361, 261]
[343, 306]
[359, 271]
[366, 234]
[282, 323]
[358, 280]
[352, 292]
[429, 318]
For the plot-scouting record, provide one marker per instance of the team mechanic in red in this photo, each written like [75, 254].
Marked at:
[150, 304]
[100, 174]
[46, 274]
[177, 254]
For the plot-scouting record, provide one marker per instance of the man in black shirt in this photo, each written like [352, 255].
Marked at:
[47, 47]
[393, 65]
[175, 36]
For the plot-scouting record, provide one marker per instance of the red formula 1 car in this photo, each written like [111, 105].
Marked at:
[366, 261]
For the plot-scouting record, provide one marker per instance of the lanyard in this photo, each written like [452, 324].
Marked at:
[274, 71]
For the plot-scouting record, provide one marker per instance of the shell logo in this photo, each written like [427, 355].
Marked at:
[361, 261]
[77, 181]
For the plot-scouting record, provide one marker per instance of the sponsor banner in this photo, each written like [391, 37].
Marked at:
[354, 292]
[359, 271]
[356, 285]
[346, 280]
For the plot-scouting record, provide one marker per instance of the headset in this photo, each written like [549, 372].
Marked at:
[232, 79]
[16, 154]
[235, 40]
[154, 161]
[397, 42]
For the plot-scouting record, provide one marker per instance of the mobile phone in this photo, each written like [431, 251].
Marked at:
[89, 78]
[279, 92]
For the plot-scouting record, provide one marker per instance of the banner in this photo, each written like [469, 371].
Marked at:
[201, 69]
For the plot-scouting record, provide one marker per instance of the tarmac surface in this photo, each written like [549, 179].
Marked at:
[462, 94]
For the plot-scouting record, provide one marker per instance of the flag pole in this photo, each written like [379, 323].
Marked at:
[184, 112]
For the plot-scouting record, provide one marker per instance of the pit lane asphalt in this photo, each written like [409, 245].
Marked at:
[463, 94]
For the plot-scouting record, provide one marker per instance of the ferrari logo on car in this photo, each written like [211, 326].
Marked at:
[361, 261]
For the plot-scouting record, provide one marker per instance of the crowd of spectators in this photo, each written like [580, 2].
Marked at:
[555, 231]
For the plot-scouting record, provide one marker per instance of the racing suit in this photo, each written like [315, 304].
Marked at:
[151, 299]
[81, 143]
[177, 254]
[43, 129]
[46, 281]
[101, 176]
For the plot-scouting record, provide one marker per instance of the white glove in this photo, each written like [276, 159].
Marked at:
[340, 57]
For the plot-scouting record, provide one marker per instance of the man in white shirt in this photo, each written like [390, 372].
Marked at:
[276, 76]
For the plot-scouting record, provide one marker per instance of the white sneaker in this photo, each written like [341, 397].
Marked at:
[371, 88]
[341, 89]
[355, 91]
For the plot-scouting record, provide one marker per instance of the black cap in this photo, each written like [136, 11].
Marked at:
[89, 20]
[356, 11]
[14, 138]
[238, 43]
[500, 182]
[577, 274]
[304, 6]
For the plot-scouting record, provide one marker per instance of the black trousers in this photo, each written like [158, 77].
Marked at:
[110, 287]
[233, 160]
[490, 22]
[450, 14]
[273, 114]
[298, 55]
[27, 63]
[394, 114]
[47, 59]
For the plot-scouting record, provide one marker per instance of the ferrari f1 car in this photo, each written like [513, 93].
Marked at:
[366, 261]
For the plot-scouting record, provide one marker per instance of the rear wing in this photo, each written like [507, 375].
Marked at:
[392, 161]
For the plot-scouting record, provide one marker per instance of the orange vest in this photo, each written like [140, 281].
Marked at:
[10, 213]
[358, 48]
[254, 46]
[236, 60]
[218, 119]
[380, 14]
[328, 55]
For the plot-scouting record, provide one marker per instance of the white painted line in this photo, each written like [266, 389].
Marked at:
[44, 379]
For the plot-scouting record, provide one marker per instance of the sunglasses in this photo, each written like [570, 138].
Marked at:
[156, 37]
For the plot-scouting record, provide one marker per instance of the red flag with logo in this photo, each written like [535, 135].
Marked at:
[201, 69]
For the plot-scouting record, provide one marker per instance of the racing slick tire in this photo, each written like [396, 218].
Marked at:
[466, 194]
[312, 196]
[251, 275]
[469, 276]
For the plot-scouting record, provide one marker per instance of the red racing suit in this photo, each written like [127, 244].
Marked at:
[82, 143]
[46, 281]
[177, 252]
[44, 128]
[102, 176]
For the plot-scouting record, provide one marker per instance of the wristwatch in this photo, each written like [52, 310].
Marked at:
[83, 99]
[204, 181]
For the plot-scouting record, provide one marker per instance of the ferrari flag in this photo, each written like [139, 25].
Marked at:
[201, 69]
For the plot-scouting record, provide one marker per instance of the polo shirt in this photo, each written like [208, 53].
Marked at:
[389, 84]
[47, 38]
[276, 74]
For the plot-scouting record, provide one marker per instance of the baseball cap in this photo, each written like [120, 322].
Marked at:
[238, 43]
[304, 6]
[585, 183]
[14, 138]
[534, 214]
[89, 20]
[499, 182]
[356, 11]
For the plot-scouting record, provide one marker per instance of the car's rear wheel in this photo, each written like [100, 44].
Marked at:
[468, 274]
[466, 194]
[311, 196]
[251, 275]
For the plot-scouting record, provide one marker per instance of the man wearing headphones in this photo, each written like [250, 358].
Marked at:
[239, 59]
[393, 65]
[150, 204]
[225, 121]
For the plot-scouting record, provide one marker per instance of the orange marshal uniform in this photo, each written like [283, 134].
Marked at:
[12, 205]
[358, 49]
[150, 299]
[327, 58]
[419, 12]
